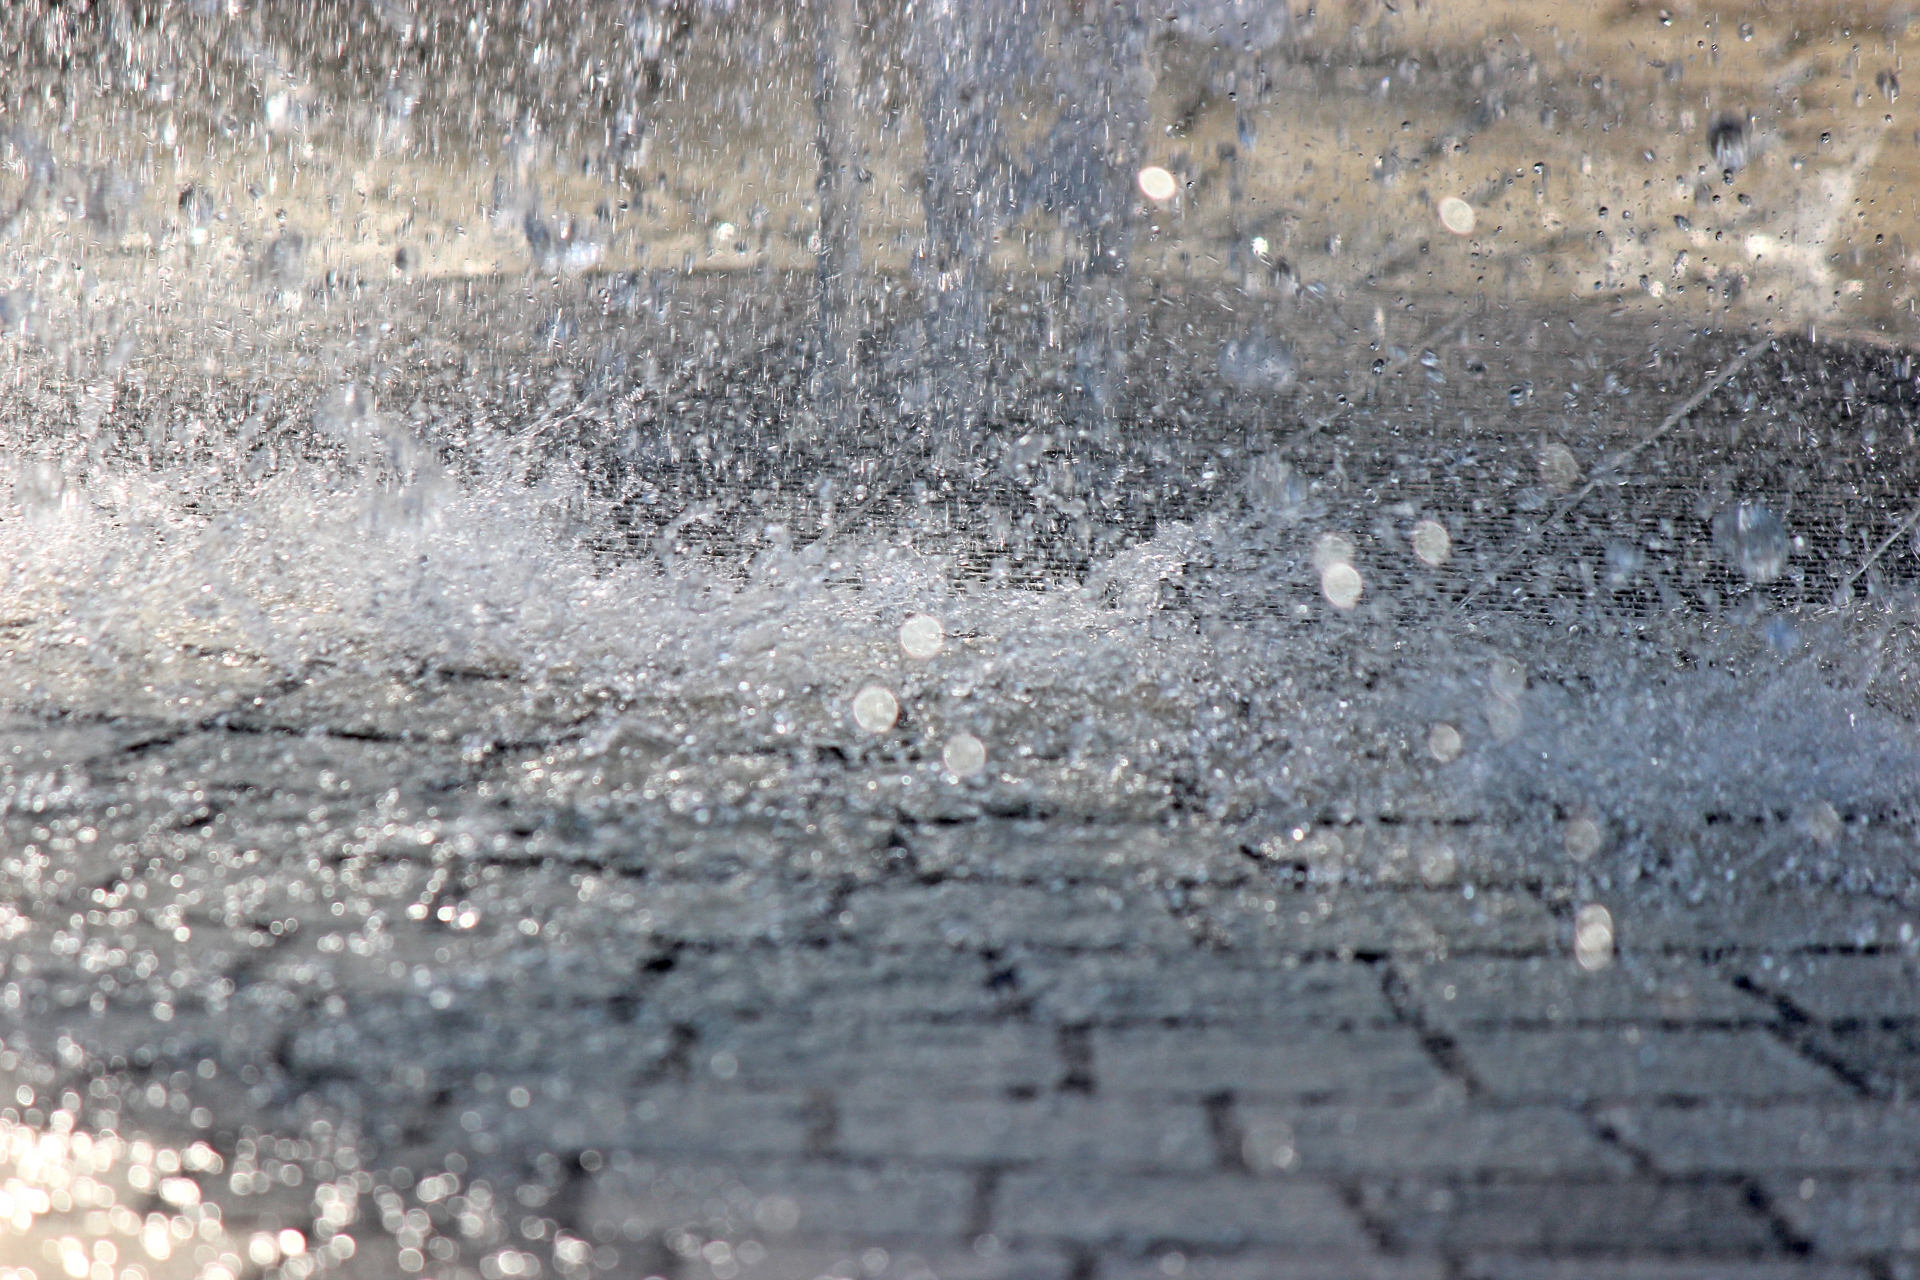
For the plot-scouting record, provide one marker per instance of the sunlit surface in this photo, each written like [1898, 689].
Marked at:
[964, 640]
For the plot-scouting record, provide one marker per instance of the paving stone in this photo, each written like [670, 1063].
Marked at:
[1266, 1264]
[1851, 1218]
[689, 1119]
[631, 920]
[1834, 987]
[835, 983]
[755, 911]
[1723, 1137]
[1743, 1268]
[1066, 1131]
[1619, 1217]
[1885, 1059]
[294, 768]
[1046, 853]
[1198, 986]
[1633, 1062]
[1411, 854]
[1447, 1136]
[860, 1260]
[1486, 992]
[974, 916]
[397, 1033]
[1264, 1063]
[1380, 922]
[31, 746]
[431, 708]
[1211, 1211]
[1752, 919]
[887, 1059]
[789, 1203]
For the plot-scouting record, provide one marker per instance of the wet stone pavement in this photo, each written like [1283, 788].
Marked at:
[997, 1047]
[400, 881]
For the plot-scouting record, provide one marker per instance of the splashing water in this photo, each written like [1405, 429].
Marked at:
[1057, 460]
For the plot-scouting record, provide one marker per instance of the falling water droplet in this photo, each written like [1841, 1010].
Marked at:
[1432, 545]
[1506, 686]
[1558, 467]
[1593, 937]
[1583, 837]
[1752, 537]
[1439, 865]
[1457, 216]
[875, 709]
[1330, 549]
[1730, 142]
[1444, 743]
[1782, 636]
[1341, 584]
[1257, 363]
[1156, 183]
[922, 636]
[1820, 822]
[964, 756]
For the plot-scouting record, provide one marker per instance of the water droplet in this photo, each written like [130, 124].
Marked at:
[1820, 822]
[1250, 24]
[1558, 467]
[1583, 837]
[875, 709]
[1439, 865]
[284, 261]
[1506, 685]
[1507, 679]
[1730, 142]
[1341, 584]
[1257, 363]
[964, 755]
[1624, 562]
[1457, 216]
[1432, 545]
[1156, 183]
[1330, 549]
[197, 211]
[40, 488]
[1444, 743]
[1752, 537]
[1593, 937]
[1268, 1145]
[922, 636]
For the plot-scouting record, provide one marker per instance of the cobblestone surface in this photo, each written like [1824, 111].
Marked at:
[875, 1066]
